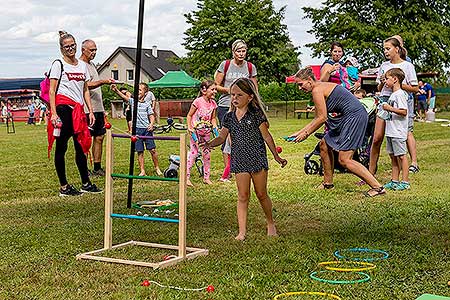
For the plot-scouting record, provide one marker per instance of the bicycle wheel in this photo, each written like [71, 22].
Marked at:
[179, 126]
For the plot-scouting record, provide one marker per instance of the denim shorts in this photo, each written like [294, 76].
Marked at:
[149, 143]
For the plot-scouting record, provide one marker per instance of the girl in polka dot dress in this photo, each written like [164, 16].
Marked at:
[248, 127]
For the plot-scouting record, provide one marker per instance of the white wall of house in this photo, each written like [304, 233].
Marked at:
[122, 64]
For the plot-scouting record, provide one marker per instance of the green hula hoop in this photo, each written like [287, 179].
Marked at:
[384, 254]
[307, 293]
[364, 279]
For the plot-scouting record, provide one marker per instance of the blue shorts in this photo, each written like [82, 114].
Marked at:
[149, 143]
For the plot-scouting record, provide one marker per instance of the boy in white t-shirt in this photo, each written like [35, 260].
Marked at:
[397, 129]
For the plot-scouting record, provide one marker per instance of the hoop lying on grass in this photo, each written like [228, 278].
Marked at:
[314, 276]
[365, 266]
[384, 254]
[307, 293]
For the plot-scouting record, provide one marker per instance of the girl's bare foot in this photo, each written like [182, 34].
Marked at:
[189, 183]
[207, 181]
[240, 237]
[142, 173]
[271, 230]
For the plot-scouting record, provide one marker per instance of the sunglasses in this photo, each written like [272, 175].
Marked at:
[68, 47]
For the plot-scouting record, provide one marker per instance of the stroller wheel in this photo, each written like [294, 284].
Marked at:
[311, 167]
[170, 173]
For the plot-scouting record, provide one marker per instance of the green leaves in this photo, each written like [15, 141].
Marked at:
[362, 25]
[218, 23]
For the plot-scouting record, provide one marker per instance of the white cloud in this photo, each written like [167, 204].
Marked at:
[28, 28]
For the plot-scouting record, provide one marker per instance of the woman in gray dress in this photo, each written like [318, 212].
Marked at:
[346, 120]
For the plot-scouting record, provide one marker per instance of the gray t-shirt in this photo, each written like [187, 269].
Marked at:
[96, 94]
[234, 72]
[150, 98]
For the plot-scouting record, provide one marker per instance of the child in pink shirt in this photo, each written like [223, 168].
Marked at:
[201, 121]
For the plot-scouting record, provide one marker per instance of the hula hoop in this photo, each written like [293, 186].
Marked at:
[307, 293]
[366, 278]
[338, 254]
[365, 266]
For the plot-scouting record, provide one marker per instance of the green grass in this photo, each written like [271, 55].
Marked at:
[42, 233]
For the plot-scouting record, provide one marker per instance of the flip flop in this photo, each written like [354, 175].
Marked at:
[378, 192]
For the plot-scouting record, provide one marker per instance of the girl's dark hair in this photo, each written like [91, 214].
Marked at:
[205, 85]
[64, 35]
[306, 73]
[337, 44]
[248, 87]
[396, 43]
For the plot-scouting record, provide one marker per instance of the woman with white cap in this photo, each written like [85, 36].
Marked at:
[227, 72]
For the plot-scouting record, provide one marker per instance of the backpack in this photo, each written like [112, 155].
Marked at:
[227, 66]
[45, 84]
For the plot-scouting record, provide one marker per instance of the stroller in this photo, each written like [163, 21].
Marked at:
[361, 155]
[174, 160]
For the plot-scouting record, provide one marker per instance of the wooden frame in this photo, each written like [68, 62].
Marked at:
[183, 251]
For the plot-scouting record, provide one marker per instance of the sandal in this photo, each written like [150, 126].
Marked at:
[375, 192]
[413, 169]
[325, 186]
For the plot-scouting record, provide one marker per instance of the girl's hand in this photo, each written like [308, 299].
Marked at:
[191, 130]
[150, 127]
[113, 87]
[281, 161]
[299, 136]
[205, 145]
[54, 119]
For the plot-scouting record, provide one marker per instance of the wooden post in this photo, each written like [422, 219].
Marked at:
[182, 198]
[108, 189]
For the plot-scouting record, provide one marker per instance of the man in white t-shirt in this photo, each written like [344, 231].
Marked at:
[88, 52]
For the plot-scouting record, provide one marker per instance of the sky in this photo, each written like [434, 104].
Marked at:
[29, 38]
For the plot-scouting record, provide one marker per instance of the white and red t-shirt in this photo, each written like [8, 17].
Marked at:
[72, 80]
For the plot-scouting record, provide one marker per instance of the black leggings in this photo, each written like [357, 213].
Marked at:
[65, 114]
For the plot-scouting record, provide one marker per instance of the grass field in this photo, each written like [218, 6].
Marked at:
[42, 233]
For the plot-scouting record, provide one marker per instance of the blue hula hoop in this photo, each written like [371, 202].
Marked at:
[361, 280]
[338, 254]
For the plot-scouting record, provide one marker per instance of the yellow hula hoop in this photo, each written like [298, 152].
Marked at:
[307, 293]
[366, 266]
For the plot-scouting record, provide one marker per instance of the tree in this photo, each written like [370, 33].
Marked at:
[362, 25]
[217, 23]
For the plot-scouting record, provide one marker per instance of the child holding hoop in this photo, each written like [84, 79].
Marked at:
[202, 111]
[248, 127]
[144, 126]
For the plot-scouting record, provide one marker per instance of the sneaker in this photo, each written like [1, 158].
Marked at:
[69, 191]
[98, 173]
[391, 185]
[90, 188]
[403, 186]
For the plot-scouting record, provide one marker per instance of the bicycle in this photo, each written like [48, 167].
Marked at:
[158, 129]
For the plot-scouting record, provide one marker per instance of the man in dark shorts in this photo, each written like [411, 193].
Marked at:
[88, 52]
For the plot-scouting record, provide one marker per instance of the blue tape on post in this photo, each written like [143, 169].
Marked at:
[142, 218]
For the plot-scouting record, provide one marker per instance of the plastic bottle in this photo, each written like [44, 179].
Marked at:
[431, 116]
[57, 128]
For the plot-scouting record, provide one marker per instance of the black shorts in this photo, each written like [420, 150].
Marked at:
[128, 115]
[98, 129]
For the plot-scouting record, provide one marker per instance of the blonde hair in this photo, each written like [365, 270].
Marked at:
[305, 73]
[64, 35]
[248, 87]
[145, 86]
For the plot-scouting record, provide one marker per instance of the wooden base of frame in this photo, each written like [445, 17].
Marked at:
[190, 253]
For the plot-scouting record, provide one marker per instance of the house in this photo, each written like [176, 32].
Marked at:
[121, 63]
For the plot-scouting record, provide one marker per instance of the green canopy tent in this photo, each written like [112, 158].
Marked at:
[175, 79]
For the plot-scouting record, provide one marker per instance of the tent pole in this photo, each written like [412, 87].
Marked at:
[137, 73]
